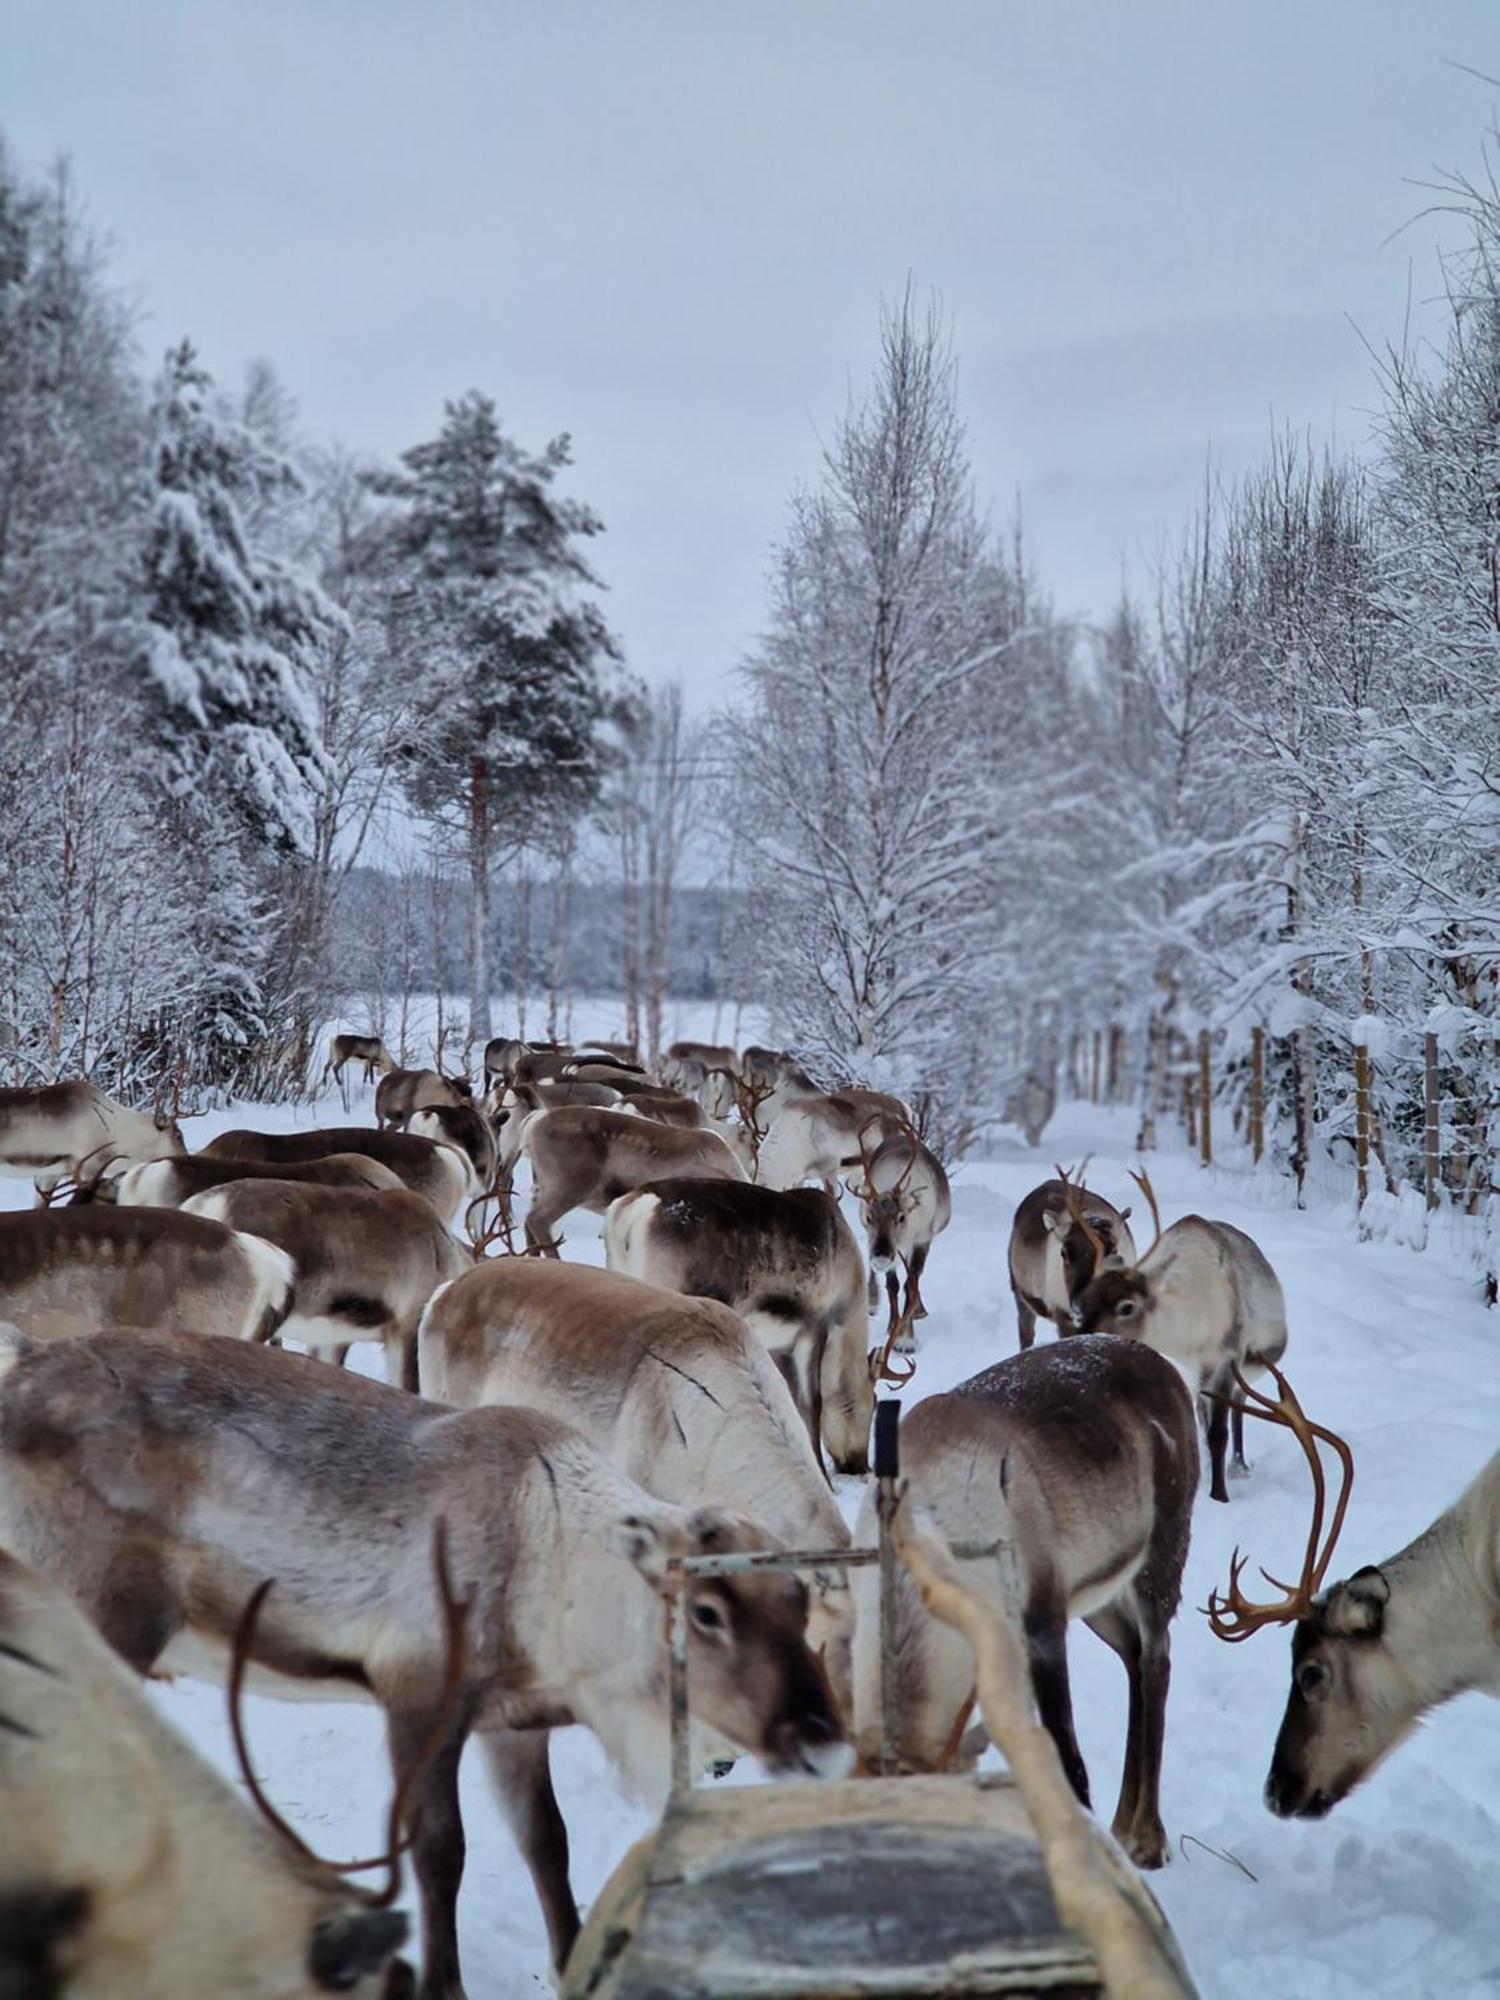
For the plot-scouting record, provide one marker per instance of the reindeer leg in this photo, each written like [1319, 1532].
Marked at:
[1046, 1628]
[1218, 1442]
[872, 1291]
[1025, 1320]
[898, 1328]
[915, 1309]
[1132, 1632]
[1240, 1465]
[437, 1845]
[522, 1777]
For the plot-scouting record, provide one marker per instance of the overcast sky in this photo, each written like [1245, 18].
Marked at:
[666, 226]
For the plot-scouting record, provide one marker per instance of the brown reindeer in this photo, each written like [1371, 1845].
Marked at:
[1062, 1236]
[585, 1158]
[68, 1271]
[161, 1478]
[364, 1264]
[677, 1392]
[369, 1051]
[1205, 1296]
[905, 1204]
[168, 1183]
[1080, 1460]
[439, 1172]
[788, 1264]
[62, 1129]
[128, 1867]
[403, 1091]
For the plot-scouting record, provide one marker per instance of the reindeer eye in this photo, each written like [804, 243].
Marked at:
[707, 1616]
[1312, 1680]
[1126, 1309]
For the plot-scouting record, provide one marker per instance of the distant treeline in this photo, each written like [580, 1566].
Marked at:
[394, 931]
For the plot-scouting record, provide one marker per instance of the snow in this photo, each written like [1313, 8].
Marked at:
[1393, 1895]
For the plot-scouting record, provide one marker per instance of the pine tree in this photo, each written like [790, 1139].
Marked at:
[227, 632]
[509, 663]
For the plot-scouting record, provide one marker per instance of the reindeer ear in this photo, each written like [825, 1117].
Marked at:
[712, 1532]
[1124, 1215]
[1356, 1609]
[649, 1544]
[1054, 1222]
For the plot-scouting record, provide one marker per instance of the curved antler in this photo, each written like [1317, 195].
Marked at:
[455, 1620]
[1143, 1182]
[1072, 1195]
[1232, 1616]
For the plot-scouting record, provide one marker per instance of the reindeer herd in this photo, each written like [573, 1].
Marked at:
[484, 1544]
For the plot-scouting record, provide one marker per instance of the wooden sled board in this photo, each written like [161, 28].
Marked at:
[893, 1888]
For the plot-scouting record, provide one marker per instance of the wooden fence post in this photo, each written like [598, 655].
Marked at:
[1205, 1098]
[1432, 1121]
[1190, 1107]
[1257, 1093]
[1096, 1067]
[1362, 1121]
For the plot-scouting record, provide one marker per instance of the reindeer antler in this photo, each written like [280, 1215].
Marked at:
[1143, 1182]
[1072, 1195]
[1232, 1616]
[886, 1369]
[455, 1620]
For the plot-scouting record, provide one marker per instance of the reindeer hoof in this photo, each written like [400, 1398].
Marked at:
[1239, 1469]
[1147, 1846]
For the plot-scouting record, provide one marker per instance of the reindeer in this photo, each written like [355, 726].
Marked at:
[787, 1263]
[129, 1869]
[403, 1091]
[440, 1172]
[364, 1264]
[1031, 1106]
[468, 1128]
[1081, 1461]
[369, 1051]
[1371, 1655]
[583, 1158]
[67, 1271]
[905, 1203]
[168, 1183]
[677, 1392]
[701, 1069]
[823, 1136]
[1062, 1236]
[62, 1129]
[1205, 1296]
[160, 1478]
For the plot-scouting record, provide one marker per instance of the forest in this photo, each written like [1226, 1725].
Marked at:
[287, 734]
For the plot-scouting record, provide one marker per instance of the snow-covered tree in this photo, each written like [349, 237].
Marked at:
[508, 663]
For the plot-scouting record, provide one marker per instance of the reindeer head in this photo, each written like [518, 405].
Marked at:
[751, 1678]
[1350, 1704]
[1114, 1296]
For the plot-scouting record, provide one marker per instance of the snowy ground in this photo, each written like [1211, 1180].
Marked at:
[1395, 1894]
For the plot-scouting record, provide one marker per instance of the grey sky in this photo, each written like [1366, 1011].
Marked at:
[665, 225]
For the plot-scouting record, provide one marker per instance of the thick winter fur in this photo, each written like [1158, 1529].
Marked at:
[70, 1271]
[905, 1203]
[129, 1869]
[1205, 1296]
[160, 1478]
[675, 1391]
[64, 1128]
[1082, 1459]
[822, 1137]
[463, 1126]
[786, 1261]
[403, 1091]
[364, 1264]
[704, 1070]
[441, 1173]
[586, 1158]
[169, 1183]
[667, 1107]
[1384, 1647]
[1051, 1260]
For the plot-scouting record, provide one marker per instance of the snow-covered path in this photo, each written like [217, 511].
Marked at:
[1394, 1895]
